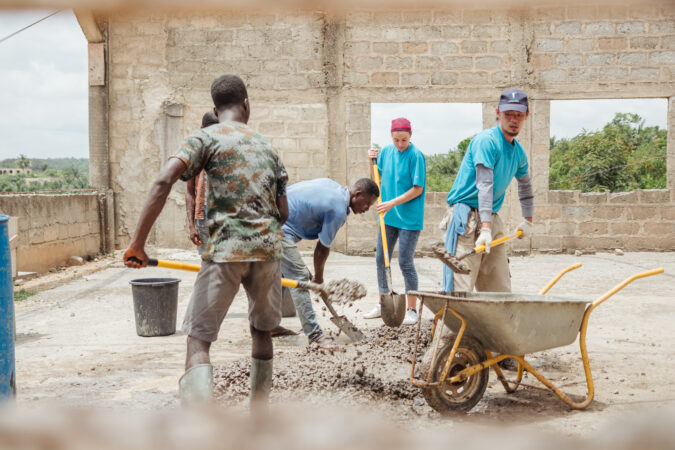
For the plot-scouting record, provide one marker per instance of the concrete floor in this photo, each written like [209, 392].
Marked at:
[76, 343]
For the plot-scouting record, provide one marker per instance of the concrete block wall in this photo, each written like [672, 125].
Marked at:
[312, 78]
[54, 227]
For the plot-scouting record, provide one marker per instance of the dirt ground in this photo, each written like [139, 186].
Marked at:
[77, 344]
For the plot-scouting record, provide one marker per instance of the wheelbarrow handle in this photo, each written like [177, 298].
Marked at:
[557, 277]
[624, 283]
[286, 282]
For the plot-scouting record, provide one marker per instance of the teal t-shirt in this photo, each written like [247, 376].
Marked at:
[400, 171]
[491, 149]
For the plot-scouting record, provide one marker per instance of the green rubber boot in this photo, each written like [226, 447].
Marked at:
[261, 384]
[196, 384]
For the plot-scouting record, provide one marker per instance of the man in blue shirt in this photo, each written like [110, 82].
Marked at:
[316, 210]
[404, 174]
[493, 159]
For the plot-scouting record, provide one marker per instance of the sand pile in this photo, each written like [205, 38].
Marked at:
[378, 368]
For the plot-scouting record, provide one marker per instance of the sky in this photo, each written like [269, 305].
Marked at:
[44, 112]
[44, 95]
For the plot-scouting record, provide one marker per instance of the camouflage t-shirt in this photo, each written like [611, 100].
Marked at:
[245, 178]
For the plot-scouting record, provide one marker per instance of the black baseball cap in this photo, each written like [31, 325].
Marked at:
[513, 100]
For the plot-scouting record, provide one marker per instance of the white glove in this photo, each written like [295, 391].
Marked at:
[526, 228]
[446, 219]
[485, 237]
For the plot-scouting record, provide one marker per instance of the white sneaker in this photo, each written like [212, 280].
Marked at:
[410, 317]
[374, 313]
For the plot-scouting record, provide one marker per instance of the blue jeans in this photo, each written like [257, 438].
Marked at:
[292, 266]
[406, 257]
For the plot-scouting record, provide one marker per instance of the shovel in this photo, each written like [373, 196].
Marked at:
[455, 262]
[392, 305]
[340, 321]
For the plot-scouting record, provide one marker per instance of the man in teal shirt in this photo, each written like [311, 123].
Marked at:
[493, 159]
[404, 176]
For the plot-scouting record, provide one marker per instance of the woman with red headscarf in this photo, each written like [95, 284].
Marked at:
[403, 172]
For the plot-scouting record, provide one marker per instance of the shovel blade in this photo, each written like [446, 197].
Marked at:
[393, 309]
[348, 328]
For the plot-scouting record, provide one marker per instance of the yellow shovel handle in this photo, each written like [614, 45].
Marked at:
[501, 240]
[383, 232]
[195, 268]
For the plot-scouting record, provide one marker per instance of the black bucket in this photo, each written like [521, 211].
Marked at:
[155, 305]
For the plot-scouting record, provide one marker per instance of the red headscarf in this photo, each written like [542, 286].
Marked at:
[401, 124]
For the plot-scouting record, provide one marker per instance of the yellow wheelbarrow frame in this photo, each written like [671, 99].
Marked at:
[492, 361]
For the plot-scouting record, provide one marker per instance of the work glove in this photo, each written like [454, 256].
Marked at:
[485, 237]
[526, 228]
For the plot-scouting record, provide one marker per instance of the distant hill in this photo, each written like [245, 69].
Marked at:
[42, 164]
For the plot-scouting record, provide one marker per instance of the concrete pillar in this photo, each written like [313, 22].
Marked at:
[670, 163]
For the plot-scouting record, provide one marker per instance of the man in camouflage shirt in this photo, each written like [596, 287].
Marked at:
[246, 206]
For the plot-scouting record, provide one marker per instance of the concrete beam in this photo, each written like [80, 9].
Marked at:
[89, 26]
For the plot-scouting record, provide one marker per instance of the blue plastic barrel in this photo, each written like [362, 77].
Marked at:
[7, 374]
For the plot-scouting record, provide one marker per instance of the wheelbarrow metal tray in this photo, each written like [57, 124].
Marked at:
[508, 323]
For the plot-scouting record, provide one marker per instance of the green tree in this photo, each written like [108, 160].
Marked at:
[23, 162]
[442, 168]
[623, 156]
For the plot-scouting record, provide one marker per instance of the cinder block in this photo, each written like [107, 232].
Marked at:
[444, 78]
[668, 42]
[644, 43]
[427, 62]
[300, 129]
[443, 48]
[563, 197]
[542, 60]
[562, 228]
[399, 63]
[593, 228]
[630, 28]
[667, 212]
[599, 28]
[271, 128]
[415, 47]
[632, 59]
[386, 48]
[623, 197]
[488, 62]
[542, 29]
[568, 59]
[501, 78]
[576, 212]
[366, 63]
[415, 79]
[600, 59]
[363, 48]
[609, 212]
[416, 17]
[613, 43]
[612, 73]
[547, 212]
[594, 197]
[471, 47]
[456, 31]
[473, 77]
[641, 212]
[658, 228]
[499, 46]
[457, 62]
[296, 159]
[428, 33]
[398, 34]
[583, 74]
[654, 195]
[664, 57]
[553, 75]
[666, 27]
[580, 45]
[547, 243]
[442, 17]
[385, 78]
[619, 228]
[568, 28]
[486, 31]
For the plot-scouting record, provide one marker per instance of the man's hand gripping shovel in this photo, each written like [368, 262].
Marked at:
[392, 305]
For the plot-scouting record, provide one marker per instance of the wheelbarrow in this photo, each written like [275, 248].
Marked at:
[489, 327]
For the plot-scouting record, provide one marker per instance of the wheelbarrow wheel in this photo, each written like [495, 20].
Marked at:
[447, 397]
